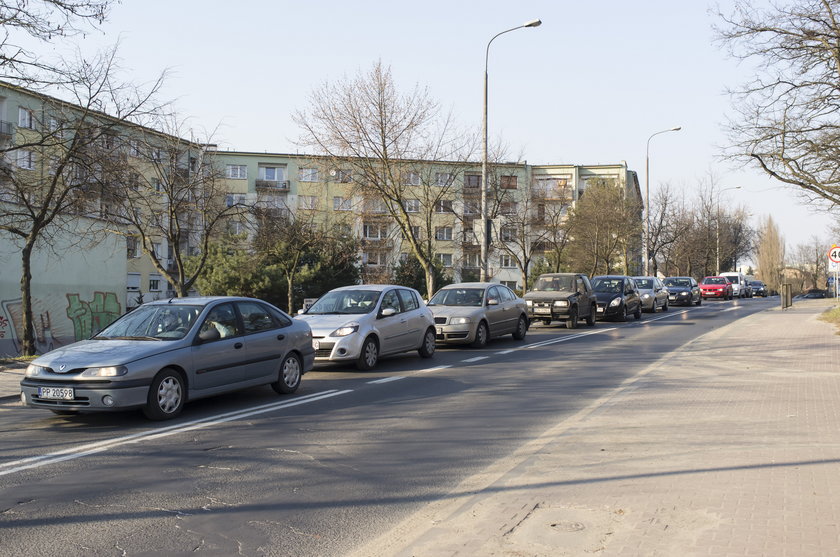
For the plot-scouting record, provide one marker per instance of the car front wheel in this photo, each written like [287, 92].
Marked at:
[427, 349]
[481, 335]
[290, 373]
[638, 313]
[521, 328]
[166, 395]
[590, 319]
[369, 356]
[572, 321]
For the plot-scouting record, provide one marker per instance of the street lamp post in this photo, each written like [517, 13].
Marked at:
[645, 246]
[485, 239]
[717, 227]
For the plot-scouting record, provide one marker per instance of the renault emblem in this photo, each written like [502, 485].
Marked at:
[61, 367]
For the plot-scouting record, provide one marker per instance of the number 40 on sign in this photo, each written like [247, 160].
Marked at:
[834, 254]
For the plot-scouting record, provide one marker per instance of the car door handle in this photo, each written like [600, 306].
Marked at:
[281, 337]
[238, 345]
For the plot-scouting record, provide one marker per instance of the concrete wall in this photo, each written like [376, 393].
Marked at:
[76, 290]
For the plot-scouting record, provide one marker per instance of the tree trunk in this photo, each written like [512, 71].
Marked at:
[290, 295]
[28, 344]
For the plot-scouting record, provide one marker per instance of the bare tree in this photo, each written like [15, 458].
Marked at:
[667, 224]
[168, 193]
[57, 159]
[770, 254]
[810, 261]
[604, 222]
[787, 122]
[381, 134]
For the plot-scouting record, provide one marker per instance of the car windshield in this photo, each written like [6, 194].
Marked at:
[757, 283]
[554, 284]
[611, 285]
[339, 302]
[458, 297]
[683, 282]
[153, 322]
[715, 280]
[644, 283]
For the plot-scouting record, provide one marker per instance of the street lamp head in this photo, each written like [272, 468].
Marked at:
[533, 23]
[676, 129]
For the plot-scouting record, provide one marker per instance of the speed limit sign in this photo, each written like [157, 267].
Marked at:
[834, 254]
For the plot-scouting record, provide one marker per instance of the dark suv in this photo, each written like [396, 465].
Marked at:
[562, 297]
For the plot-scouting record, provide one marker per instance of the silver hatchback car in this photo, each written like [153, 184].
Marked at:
[167, 352]
[361, 323]
[474, 312]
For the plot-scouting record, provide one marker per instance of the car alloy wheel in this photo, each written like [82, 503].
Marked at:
[481, 334]
[370, 354]
[427, 349]
[521, 328]
[166, 396]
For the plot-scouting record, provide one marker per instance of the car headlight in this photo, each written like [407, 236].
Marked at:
[684, 293]
[561, 303]
[345, 330]
[107, 371]
[529, 302]
[615, 302]
[459, 320]
[33, 370]
[645, 296]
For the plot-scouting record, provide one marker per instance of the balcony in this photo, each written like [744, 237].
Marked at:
[377, 243]
[272, 185]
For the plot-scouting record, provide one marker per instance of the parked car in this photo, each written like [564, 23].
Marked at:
[740, 285]
[653, 292]
[474, 312]
[716, 287]
[815, 293]
[168, 352]
[562, 297]
[617, 297]
[759, 288]
[362, 323]
[683, 290]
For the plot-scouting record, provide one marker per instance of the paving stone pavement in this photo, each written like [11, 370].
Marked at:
[730, 446]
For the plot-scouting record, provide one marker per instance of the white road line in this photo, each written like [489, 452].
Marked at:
[101, 446]
[476, 359]
[503, 352]
[673, 314]
[429, 370]
[386, 380]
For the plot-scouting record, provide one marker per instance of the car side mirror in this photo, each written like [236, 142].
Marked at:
[210, 334]
[387, 312]
[300, 312]
[492, 302]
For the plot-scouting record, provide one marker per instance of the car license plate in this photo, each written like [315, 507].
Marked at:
[56, 393]
[315, 344]
[600, 310]
[672, 297]
[440, 330]
[542, 310]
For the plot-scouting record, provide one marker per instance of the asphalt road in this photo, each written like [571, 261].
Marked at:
[319, 472]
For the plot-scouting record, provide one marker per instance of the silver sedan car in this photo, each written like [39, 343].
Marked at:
[361, 323]
[653, 292]
[167, 352]
[474, 312]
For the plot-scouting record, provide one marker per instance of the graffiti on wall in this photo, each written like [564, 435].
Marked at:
[84, 318]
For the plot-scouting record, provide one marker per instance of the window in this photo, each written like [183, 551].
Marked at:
[25, 118]
[154, 283]
[235, 228]
[223, 319]
[342, 176]
[507, 261]
[443, 233]
[374, 258]
[472, 207]
[156, 250]
[131, 251]
[513, 286]
[472, 180]
[237, 171]
[26, 159]
[157, 185]
[374, 231]
[417, 232]
[390, 301]
[308, 175]
[132, 281]
[232, 199]
[272, 173]
[134, 148]
[408, 299]
[157, 156]
[443, 178]
[508, 234]
[443, 206]
[471, 260]
[411, 178]
[412, 205]
[507, 208]
[308, 202]
[444, 258]
[255, 317]
[508, 182]
[469, 235]
[375, 206]
[342, 203]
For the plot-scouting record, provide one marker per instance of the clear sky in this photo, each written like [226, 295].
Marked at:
[587, 87]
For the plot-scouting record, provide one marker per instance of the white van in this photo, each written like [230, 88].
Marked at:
[740, 286]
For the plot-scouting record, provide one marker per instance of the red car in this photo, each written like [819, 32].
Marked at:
[716, 287]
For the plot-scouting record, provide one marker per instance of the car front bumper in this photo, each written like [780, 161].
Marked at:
[455, 334]
[104, 396]
[338, 349]
[713, 293]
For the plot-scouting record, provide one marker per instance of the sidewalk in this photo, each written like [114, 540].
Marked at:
[10, 376]
[729, 447]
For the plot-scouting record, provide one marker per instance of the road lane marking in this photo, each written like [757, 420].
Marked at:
[476, 359]
[101, 446]
[430, 369]
[386, 380]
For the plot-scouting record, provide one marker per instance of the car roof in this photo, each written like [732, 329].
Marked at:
[376, 287]
[199, 300]
[472, 285]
